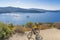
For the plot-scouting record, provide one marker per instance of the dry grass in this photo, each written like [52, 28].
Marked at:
[22, 29]
[42, 27]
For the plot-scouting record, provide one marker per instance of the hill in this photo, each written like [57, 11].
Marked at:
[16, 9]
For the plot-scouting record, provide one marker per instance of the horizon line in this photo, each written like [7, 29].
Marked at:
[30, 8]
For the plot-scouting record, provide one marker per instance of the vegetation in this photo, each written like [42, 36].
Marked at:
[29, 24]
[6, 30]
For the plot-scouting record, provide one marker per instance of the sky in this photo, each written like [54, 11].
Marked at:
[40, 4]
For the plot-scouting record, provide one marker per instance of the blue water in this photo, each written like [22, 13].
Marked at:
[23, 18]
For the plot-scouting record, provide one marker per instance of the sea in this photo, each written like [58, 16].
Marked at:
[23, 18]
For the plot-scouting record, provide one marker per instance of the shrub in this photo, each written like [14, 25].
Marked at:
[20, 29]
[11, 26]
[5, 31]
[29, 24]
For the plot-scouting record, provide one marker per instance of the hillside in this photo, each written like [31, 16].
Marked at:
[15, 9]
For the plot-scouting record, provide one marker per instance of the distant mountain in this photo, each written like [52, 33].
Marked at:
[15, 9]
[53, 10]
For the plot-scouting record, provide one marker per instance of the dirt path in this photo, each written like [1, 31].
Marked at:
[18, 37]
[49, 34]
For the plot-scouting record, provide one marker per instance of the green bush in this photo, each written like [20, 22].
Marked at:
[11, 26]
[5, 31]
[30, 24]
